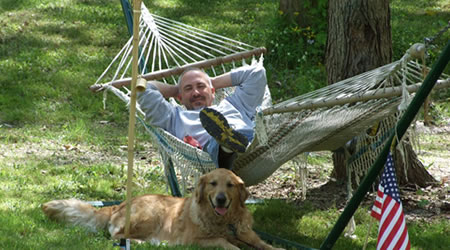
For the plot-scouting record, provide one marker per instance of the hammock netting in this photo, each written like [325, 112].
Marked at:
[325, 119]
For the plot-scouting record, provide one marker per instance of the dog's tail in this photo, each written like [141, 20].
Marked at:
[77, 212]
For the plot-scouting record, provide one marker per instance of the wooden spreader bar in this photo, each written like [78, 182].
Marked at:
[178, 70]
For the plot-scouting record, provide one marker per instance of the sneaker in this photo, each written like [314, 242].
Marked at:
[217, 126]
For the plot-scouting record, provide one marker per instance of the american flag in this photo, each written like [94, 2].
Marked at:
[392, 231]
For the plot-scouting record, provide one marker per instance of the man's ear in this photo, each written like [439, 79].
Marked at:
[213, 93]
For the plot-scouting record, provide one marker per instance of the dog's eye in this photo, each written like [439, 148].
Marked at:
[230, 185]
[213, 183]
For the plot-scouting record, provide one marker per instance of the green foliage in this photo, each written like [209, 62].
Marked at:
[295, 57]
[57, 141]
[440, 109]
[292, 44]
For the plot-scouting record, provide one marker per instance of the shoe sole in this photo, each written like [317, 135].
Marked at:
[217, 126]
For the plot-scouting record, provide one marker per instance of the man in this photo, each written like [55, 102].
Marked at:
[222, 130]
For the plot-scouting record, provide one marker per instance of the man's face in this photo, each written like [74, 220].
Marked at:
[195, 91]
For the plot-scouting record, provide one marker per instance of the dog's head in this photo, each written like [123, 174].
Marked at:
[222, 190]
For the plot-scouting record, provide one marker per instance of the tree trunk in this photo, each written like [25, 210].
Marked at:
[359, 39]
[416, 174]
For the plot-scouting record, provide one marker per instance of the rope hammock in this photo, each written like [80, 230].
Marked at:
[324, 119]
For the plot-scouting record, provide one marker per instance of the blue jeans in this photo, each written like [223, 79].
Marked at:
[212, 147]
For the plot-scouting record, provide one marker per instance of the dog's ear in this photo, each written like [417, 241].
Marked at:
[243, 192]
[199, 190]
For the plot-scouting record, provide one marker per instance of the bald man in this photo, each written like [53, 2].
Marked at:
[223, 130]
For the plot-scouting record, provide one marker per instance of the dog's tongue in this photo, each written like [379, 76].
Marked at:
[221, 210]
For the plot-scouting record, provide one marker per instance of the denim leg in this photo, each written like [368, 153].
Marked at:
[212, 147]
[248, 133]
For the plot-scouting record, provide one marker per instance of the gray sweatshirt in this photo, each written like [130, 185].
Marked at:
[239, 108]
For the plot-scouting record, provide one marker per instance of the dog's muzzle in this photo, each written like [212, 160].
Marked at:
[220, 205]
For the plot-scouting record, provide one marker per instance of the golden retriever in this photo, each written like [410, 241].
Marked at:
[215, 216]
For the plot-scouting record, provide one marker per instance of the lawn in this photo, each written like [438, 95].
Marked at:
[57, 141]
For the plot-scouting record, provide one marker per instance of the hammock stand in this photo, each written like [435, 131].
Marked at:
[324, 119]
[376, 168]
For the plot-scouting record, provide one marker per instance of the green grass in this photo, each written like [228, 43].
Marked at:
[310, 225]
[412, 21]
[57, 141]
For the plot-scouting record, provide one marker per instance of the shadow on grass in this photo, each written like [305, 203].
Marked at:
[305, 222]
[49, 53]
[305, 226]
[30, 229]
[9, 5]
[222, 17]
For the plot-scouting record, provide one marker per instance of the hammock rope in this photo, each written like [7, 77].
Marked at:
[324, 119]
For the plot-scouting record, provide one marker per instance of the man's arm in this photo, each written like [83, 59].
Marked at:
[158, 111]
[167, 90]
[222, 81]
[250, 82]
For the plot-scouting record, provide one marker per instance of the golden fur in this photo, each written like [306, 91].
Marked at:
[208, 218]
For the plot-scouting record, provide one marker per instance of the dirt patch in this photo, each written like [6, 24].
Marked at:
[323, 192]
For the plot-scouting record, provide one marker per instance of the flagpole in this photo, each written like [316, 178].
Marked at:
[132, 119]
[368, 233]
[400, 129]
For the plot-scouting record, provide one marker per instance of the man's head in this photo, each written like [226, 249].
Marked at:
[195, 90]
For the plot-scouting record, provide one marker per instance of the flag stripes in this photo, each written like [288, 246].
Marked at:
[388, 209]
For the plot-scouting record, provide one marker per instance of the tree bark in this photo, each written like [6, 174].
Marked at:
[415, 173]
[359, 39]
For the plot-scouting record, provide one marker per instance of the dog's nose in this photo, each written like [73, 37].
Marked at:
[221, 199]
